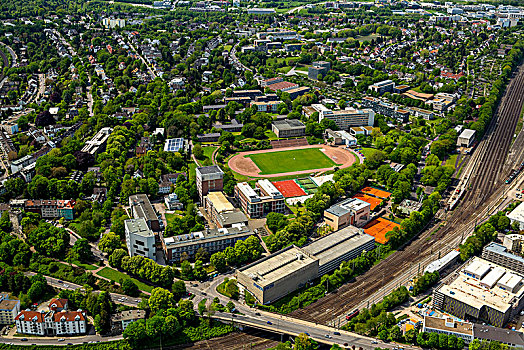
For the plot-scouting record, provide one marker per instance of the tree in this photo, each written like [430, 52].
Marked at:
[129, 287]
[179, 289]
[82, 249]
[135, 333]
[218, 260]
[303, 342]
[199, 272]
[109, 242]
[187, 270]
[202, 307]
[161, 299]
[115, 259]
[230, 306]
[198, 152]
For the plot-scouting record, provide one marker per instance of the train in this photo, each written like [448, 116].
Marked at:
[353, 314]
[514, 173]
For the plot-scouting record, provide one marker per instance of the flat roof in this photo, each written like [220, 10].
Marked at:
[8, 304]
[448, 324]
[141, 203]
[236, 230]
[336, 244]
[269, 188]
[232, 217]
[347, 205]
[248, 191]
[212, 169]
[476, 294]
[288, 124]
[138, 227]
[220, 202]
[467, 134]
[500, 249]
[517, 214]
[278, 265]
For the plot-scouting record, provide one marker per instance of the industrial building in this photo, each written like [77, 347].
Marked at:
[343, 245]
[211, 240]
[466, 138]
[501, 255]
[344, 119]
[517, 216]
[263, 199]
[98, 143]
[351, 211]
[209, 179]
[482, 292]
[140, 207]
[221, 212]
[288, 128]
[140, 240]
[278, 274]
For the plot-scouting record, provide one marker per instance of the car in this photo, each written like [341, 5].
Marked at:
[257, 313]
[137, 301]
[374, 342]
[23, 339]
[269, 322]
[346, 344]
[204, 293]
[327, 336]
[60, 281]
[336, 333]
[69, 343]
[233, 315]
[61, 339]
[306, 333]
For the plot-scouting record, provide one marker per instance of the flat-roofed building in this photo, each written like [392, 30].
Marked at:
[247, 93]
[278, 274]
[140, 240]
[351, 211]
[517, 216]
[466, 138]
[500, 254]
[98, 143]
[288, 128]
[221, 211]
[342, 245]
[514, 339]
[258, 201]
[211, 240]
[298, 91]
[121, 320]
[385, 108]
[8, 309]
[318, 68]
[282, 86]
[344, 119]
[266, 106]
[482, 292]
[382, 86]
[341, 137]
[449, 326]
[209, 179]
[141, 207]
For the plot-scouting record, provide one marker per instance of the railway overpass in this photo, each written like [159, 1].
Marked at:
[284, 325]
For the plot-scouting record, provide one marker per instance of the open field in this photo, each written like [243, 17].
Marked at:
[290, 161]
[295, 160]
[116, 276]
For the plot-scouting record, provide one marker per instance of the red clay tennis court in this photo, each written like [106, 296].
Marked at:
[378, 229]
[371, 200]
[376, 192]
[289, 188]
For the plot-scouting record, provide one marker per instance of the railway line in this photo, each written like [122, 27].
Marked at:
[253, 339]
[485, 174]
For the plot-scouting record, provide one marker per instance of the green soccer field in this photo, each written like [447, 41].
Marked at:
[288, 161]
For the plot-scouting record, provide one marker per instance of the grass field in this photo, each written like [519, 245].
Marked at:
[294, 160]
[452, 160]
[367, 151]
[116, 276]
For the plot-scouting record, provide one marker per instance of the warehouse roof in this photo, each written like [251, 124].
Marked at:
[467, 134]
[338, 243]
[278, 265]
[288, 124]
[517, 214]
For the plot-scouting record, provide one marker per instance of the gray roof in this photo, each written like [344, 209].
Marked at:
[212, 169]
[141, 204]
[502, 335]
[500, 249]
[230, 218]
[288, 124]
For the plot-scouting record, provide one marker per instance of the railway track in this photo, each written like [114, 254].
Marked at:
[486, 186]
[253, 339]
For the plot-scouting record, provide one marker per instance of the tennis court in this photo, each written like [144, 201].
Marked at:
[289, 188]
[307, 185]
[378, 229]
[375, 202]
[376, 192]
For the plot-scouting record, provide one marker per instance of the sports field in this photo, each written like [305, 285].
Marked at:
[293, 160]
[378, 228]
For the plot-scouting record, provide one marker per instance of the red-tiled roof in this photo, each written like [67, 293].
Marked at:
[282, 85]
[57, 304]
[30, 315]
[68, 316]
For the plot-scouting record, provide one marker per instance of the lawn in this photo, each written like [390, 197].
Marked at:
[116, 276]
[84, 266]
[452, 160]
[294, 160]
[367, 151]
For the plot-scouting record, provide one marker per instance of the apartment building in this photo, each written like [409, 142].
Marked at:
[383, 86]
[385, 108]
[51, 208]
[140, 240]
[266, 106]
[98, 143]
[9, 308]
[345, 119]
[263, 199]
